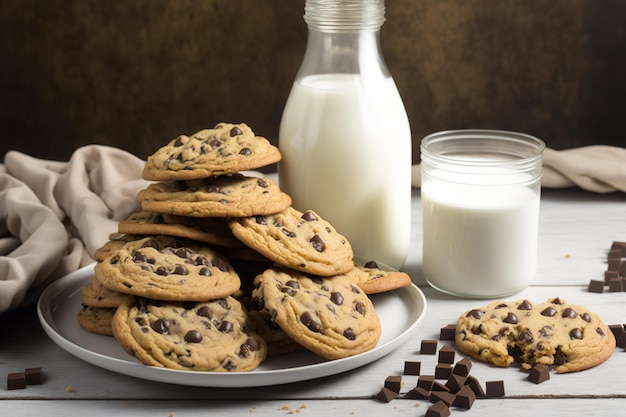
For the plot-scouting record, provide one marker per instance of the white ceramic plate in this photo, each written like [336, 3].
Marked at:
[400, 311]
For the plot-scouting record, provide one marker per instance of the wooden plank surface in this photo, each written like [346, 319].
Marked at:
[576, 230]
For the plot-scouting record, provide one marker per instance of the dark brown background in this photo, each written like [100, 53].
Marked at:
[136, 73]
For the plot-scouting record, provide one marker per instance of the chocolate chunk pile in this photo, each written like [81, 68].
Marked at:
[615, 274]
[20, 380]
[451, 384]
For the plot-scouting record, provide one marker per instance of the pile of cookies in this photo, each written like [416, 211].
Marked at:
[218, 270]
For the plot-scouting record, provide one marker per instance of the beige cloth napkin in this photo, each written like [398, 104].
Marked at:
[597, 168]
[54, 215]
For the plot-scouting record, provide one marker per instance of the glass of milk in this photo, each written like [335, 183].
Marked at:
[480, 195]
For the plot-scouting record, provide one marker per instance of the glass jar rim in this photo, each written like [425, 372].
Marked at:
[436, 146]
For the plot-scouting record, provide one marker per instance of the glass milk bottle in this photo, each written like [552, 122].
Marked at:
[344, 134]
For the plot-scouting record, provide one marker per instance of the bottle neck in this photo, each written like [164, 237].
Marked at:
[344, 16]
[343, 38]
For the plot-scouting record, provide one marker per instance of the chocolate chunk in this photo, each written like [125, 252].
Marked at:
[193, 336]
[318, 243]
[371, 265]
[360, 308]
[16, 380]
[417, 393]
[568, 313]
[443, 371]
[160, 326]
[455, 383]
[615, 285]
[412, 367]
[180, 270]
[616, 329]
[394, 383]
[309, 321]
[428, 347]
[609, 275]
[139, 257]
[464, 398]
[226, 327]
[510, 318]
[525, 305]
[336, 298]
[34, 376]
[539, 373]
[426, 382]
[204, 311]
[386, 395]
[445, 396]
[439, 409]
[235, 131]
[474, 384]
[245, 151]
[586, 317]
[621, 269]
[448, 332]
[308, 216]
[576, 333]
[548, 312]
[475, 313]
[446, 354]
[494, 389]
[349, 334]
[438, 386]
[596, 286]
[620, 341]
[557, 301]
[462, 367]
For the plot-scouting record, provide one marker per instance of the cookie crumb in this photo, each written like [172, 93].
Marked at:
[69, 388]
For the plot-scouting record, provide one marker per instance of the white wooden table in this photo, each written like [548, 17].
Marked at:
[576, 230]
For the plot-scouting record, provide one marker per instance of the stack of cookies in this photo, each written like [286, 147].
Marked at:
[218, 270]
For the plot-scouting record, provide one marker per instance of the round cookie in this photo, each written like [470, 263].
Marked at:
[372, 279]
[166, 268]
[222, 196]
[225, 149]
[97, 295]
[211, 336]
[296, 240]
[212, 230]
[331, 317]
[96, 320]
[567, 336]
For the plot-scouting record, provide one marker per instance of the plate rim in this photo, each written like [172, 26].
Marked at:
[226, 379]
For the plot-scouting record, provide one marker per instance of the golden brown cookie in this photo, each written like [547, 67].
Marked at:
[372, 279]
[223, 196]
[212, 230]
[331, 317]
[95, 294]
[96, 320]
[167, 268]
[296, 240]
[212, 336]
[225, 149]
[567, 336]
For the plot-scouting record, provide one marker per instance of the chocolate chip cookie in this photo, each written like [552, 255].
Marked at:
[219, 196]
[566, 336]
[372, 279]
[212, 230]
[96, 320]
[332, 317]
[97, 295]
[212, 336]
[296, 240]
[225, 149]
[166, 268]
